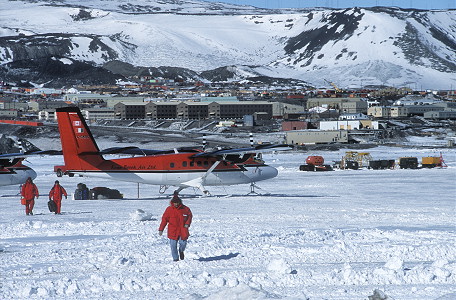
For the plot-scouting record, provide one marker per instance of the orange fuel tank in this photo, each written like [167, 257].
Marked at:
[315, 160]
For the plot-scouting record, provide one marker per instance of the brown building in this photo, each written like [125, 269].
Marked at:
[161, 110]
[208, 110]
[293, 125]
[193, 110]
[237, 110]
[130, 110]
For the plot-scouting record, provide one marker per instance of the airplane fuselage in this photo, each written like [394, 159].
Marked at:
[177, 170]
[182, 167]
[15, 175]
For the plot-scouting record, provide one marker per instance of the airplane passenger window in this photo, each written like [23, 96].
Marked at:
[205, 163]
[192, 164]
[198, 163]
[184, 164]
[171, 165]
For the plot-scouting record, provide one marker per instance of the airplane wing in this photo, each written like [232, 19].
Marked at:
[29, 153]
[8, 162]
[257, 149]
[10, 159]
[129, 150]
[132, 150]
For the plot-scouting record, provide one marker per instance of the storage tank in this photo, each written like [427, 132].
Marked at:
[315, 160]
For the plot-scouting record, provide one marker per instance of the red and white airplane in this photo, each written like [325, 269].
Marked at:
[181, 168]
[12, 171]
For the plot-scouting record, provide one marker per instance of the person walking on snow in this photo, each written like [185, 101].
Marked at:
[56, 194]
[28, 192]
[178, 217]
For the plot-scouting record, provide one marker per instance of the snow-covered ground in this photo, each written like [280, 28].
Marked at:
[322, 235]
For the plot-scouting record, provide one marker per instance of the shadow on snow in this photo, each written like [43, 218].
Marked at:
[220, 257]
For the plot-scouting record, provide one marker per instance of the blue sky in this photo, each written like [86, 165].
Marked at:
[422, 4]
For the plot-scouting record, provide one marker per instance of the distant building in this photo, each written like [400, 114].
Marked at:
[87, 98]
[219, 99]
[9, 104]
[387, 112]
[237, 110]
[398, 112]
[294, 125]
[441, 115]
[420, 110]
[130, 110]
[379, 111]
[8, 113]
[193, 110]
[281, 109]
[161, 110]
[112, 101]
[302, 137]
[249, 121]
[356, 116]
[45, 91]
[47, 114]
[46, 104]
[349, 125]
[354, 107]
[98, 113]
[209, 110]
[346, 105]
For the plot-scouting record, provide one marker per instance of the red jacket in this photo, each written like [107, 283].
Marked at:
[176, 218]
[29, 191]
[56, 193]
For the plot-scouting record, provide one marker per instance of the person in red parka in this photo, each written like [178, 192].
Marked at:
[56, 194]
[28, 192]
[178, 217]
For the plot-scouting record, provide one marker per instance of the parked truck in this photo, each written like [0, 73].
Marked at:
[315, 163]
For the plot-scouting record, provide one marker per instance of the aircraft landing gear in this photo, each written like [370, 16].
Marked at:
[252, 189]
[163, 189]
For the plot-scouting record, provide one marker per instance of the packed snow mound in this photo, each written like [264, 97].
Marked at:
[279, 266]
[141, 215]
[242, 292]
[379, 295]
[395, 263]
[450, 296]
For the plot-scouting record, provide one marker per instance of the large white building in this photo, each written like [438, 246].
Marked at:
[313, 136]
[348, 125]
[98, 113]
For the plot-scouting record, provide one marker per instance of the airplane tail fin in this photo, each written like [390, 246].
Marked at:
[80, 151]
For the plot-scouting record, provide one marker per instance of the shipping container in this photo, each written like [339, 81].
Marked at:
[408, 163]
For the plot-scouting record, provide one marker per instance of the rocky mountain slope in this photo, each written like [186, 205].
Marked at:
[196, 39]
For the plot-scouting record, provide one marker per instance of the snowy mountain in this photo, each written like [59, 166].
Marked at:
[350, 47]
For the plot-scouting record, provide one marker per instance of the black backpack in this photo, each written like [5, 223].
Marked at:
[52, 206]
